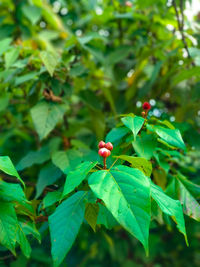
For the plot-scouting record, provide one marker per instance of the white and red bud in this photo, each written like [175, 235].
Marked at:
[104, 152]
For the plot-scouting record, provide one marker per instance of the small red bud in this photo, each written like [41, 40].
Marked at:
[143, 114]
[146, 106]
[104, 152]
[109, 146]
[101, 144]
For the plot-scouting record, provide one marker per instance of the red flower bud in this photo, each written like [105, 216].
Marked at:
[146, 106]
[101, 144]
[109, 146]
[104, 152]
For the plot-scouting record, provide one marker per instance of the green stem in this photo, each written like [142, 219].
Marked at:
[104, 164]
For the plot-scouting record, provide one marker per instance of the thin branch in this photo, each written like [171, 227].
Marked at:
[7, 257]
[113, 164]
[182, 13]
[120, 30]
[31, 184]
[180, 22]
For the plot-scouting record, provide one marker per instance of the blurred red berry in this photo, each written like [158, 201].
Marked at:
[109, 146]
[101, 144]
[146, 106]
[128, 4]
[104, 152]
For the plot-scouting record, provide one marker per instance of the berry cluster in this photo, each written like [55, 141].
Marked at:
[104, 149]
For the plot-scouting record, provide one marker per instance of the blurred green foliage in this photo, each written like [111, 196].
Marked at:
[68, 69]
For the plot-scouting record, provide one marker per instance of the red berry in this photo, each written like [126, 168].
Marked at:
[101, 144]
[109, 146]
[146, 106]
[104, 152]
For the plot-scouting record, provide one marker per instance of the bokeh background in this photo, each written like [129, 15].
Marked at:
[102, 58]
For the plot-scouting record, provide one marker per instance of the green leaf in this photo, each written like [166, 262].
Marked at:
[161, 159]
[106, 218]
[160, 177]
[91, 214]
[52, 19]
[12, 192]
[39, 156]
[11, 56]
[21, 63]
[32, 13]
[34, 157]
[145, 146]
[139, 163]
[154, 76]
[133, 123]
[25, 78]
[29, 228]
[8, 226]
[186, 193]
[47, 176]
[90, 98]
[7, 166]
[45, 117]
[4, 101]
[118, 54]
[170, 136]
[51, 198]
[169, 206]
[195, 54]
[61, 160]
[64, 225]
[95, 52]
[4, 45]
[77, 70]
[109, 96]
[23, 242]
[50, 61]
[186, 74]
[66, 160]
[167, 123]
[75, 177]
[116, 134]
[193, 188]
[98, 123]
[126, 194]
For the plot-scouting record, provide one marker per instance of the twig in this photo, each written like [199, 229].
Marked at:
[49, 95]
[182, 14]
[104, 164]
[7, 257]
[31, 184]
[180, 22]
[113, 164]
[41, 218]
[120, 29]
